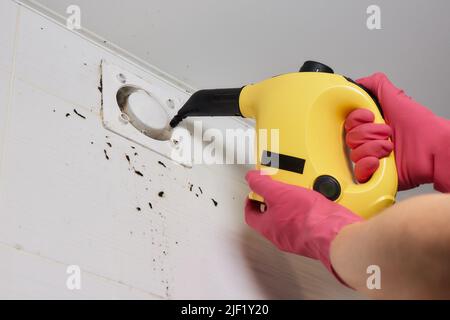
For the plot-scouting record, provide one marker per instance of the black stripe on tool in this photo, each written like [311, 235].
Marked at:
[283, 162]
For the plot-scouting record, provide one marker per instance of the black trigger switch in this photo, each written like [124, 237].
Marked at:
[328, 186]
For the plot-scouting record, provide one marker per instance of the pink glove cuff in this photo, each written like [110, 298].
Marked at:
[421, 139]
[297, 220]
[326, 236]
[441, 172]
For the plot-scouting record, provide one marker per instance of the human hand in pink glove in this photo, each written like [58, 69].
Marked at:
[297, 220]
[420, 139]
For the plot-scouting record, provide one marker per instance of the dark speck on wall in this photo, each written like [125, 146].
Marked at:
[191, 186]
[136, 154]
[161, 194]
[150, 205]
[138, 173]
[196, 195]
[215, 202]
[128, 158]
[78, 114]
[100, 87]
[138, 209]
[106, 154]
[132, 147]
[162, 164]
[92, 142]
[109, 144]
[200, 189]
[67, 115]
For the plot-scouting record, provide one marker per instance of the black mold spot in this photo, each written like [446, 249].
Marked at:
[162, 163]
[67, 115]
[215, 202]
[100, 87]
[109, 144]
[161, 194]
[138, 173]
[92, 142]
[128, 158]
[200, 189]
[190, 187]
[150, 205]
[132, 147]
[78, 114]
[138, 209]
[106, 154]
[196, 195]
[135, 154]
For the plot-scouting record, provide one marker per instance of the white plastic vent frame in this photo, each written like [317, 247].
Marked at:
[171, 97]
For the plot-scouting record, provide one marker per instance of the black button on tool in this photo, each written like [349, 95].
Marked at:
[328, 186]
[314, 66]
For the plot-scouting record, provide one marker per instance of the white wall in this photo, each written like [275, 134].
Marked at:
[211, 43]
[63, 203]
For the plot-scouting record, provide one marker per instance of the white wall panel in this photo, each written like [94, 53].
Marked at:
[62, 202]
[8, 19]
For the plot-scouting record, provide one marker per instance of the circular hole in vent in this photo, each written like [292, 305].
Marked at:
[146, 113]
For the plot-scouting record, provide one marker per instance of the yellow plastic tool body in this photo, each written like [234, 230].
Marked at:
[309, 110]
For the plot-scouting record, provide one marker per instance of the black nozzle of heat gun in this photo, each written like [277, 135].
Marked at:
[210, 103]
[176, 121]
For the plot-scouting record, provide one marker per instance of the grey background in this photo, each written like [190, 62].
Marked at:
[217, 43]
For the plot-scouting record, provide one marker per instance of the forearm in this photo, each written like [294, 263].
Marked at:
[410, 242]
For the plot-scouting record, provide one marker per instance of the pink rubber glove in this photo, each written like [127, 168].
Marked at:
[297, 220]
[421, 140]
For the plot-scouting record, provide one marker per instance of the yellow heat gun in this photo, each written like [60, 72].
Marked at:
[308, 108]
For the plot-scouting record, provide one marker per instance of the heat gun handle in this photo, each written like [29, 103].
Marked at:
[326, 150]
[384, 181]
[374, 97]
